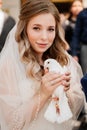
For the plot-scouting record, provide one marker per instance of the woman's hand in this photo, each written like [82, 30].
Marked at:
[51, 80]
[66, 82]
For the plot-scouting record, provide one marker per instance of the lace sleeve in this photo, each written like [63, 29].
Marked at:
[75, 93]
[15, 117]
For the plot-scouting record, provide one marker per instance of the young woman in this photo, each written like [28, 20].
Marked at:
[75, 9]
[25, 87]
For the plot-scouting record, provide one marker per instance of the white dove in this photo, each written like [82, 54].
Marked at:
[61, 112]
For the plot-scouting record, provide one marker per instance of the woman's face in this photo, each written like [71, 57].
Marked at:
[76, 8]
[41, 32]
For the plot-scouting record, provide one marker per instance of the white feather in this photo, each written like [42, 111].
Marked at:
[65, 111]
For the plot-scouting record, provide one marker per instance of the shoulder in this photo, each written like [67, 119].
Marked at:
[74, 62]
[10, 42]
[75, 66]
[83, 13]
[10, 19]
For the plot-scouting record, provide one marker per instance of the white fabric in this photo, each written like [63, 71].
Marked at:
[16, 92]
[64, 109]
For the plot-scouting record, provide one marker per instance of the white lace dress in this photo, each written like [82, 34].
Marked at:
[16, 92]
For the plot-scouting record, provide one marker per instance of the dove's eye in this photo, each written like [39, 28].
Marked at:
[48, 62]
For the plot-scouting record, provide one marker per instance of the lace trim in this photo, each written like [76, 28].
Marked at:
[17, 121]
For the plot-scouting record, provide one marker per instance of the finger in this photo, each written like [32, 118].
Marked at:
[46, 70]
[67, 76]
[66, 89]
[50, 76]
[66, 85]
[55, 83]
[68, 73]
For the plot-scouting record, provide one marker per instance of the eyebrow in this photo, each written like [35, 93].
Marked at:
[41, 25]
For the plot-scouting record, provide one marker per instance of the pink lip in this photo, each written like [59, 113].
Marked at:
[42, 45]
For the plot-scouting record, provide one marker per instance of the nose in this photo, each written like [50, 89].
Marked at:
[44, 35]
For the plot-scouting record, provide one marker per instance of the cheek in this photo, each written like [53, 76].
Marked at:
[73, 10]
[79, 9]
[52, 37]
[31, 36]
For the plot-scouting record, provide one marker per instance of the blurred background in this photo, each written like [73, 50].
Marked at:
[13, 6]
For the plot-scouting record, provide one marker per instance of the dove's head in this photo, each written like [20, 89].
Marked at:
[50, 64]
[53, 65]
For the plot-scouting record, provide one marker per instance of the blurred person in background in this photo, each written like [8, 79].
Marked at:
[79, 40]
[75, 8]
[62, 21]
[6, 24]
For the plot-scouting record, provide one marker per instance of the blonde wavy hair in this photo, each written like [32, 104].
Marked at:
[57, 51]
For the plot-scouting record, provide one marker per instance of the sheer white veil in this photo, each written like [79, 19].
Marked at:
[15, 89]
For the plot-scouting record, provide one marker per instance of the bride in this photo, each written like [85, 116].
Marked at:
[25, 86]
